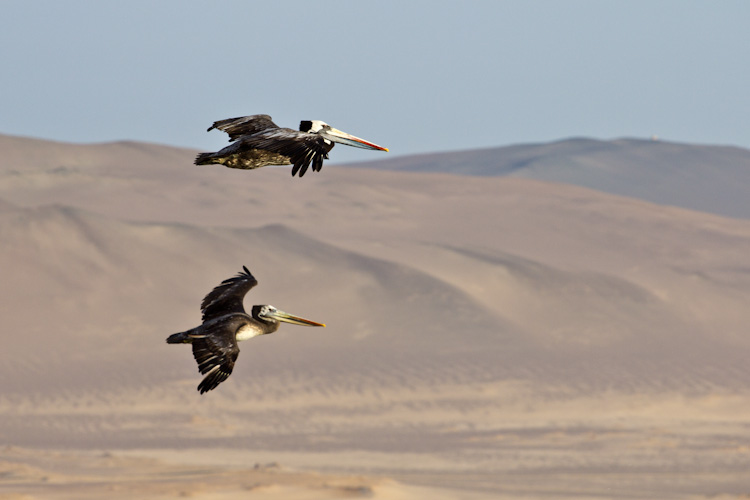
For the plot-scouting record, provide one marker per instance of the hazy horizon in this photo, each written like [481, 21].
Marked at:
[465, 76]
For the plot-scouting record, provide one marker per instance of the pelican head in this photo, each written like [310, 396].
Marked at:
[269, 314]
[336, 135]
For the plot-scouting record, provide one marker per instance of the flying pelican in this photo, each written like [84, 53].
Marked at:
[257, 141]
[225, 323]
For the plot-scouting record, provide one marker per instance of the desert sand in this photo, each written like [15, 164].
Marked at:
[487, 337]
[704, 177]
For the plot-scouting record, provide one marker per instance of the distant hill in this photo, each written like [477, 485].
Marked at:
[713, 179]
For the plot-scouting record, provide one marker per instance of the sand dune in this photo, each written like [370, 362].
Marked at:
[702, 177]
[504, 336]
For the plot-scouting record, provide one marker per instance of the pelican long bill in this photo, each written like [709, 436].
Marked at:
[295, 320]
[342, 137]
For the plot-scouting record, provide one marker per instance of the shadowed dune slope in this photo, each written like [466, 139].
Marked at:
[96, 295]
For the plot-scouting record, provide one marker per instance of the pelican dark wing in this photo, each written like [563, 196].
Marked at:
[228, 296]
[301, 148]
[216, 350]
[243, 125]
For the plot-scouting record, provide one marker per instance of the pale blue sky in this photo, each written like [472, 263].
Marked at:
[416, 76]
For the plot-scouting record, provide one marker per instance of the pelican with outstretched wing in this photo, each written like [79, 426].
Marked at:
[225, 323]
[257, 142]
